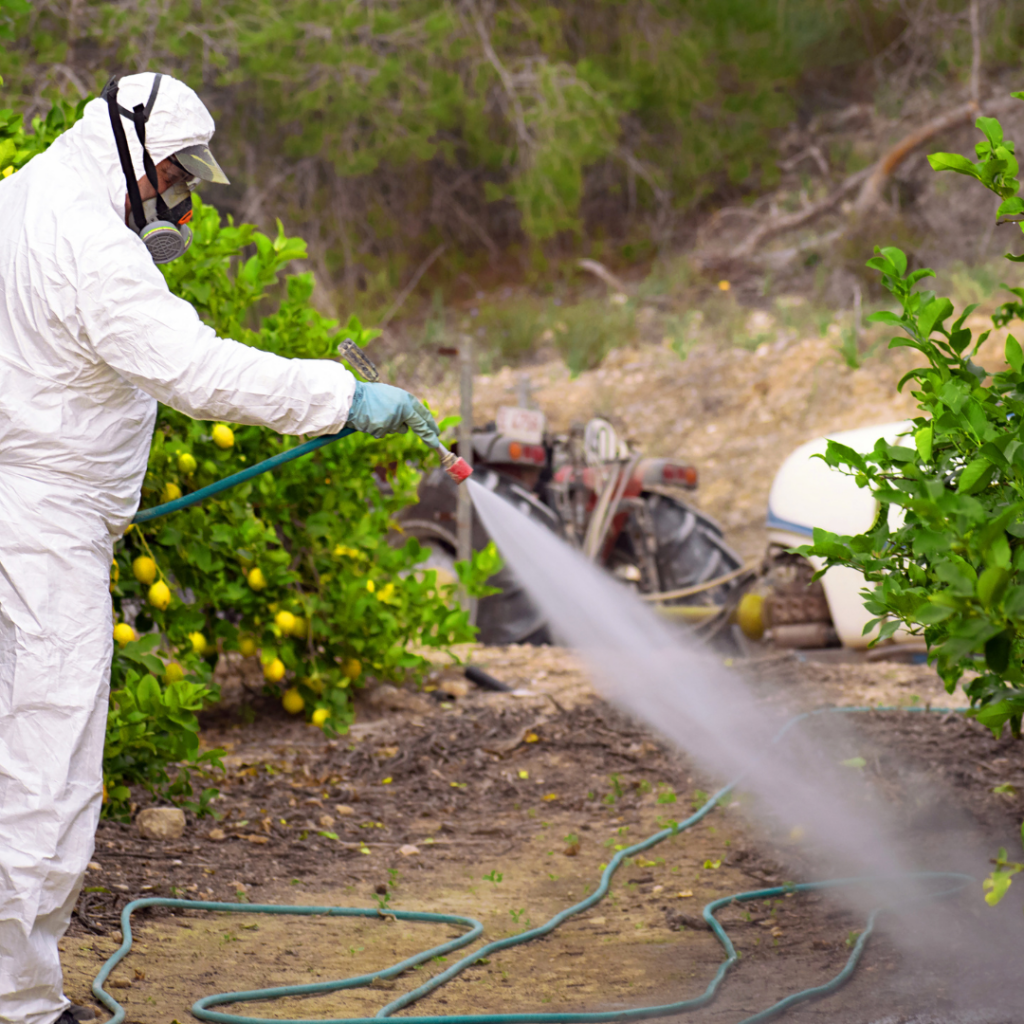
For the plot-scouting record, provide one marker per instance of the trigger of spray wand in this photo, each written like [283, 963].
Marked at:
[457, 468]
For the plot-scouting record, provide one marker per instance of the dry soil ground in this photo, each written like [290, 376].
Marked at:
[513, 802]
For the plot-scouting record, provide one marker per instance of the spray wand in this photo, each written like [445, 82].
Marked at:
[457, 468]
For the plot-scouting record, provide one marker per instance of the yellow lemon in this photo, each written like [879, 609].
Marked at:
[247, 647]
[115, 572]
[292, 701]
[187, 463]
[274, 672]
[174, 673]
[315, 682]
[320, 716]
[285, 620]
[301, 628]
[144, 569]
[170, 492]
[256, 578]
[123, 633]
[223, 436]
[160, 595]
[199, 643]
[750, 615]
[353, 668]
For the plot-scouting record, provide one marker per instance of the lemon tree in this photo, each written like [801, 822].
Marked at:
[951, 566]
[304, 569]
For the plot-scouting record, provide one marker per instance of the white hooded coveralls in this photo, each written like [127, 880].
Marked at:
[90, 340]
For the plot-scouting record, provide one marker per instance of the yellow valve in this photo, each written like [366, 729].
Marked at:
[750, 615]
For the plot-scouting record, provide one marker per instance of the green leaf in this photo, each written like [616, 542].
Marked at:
[1014, 354]
[952, 162]
[934, 313]
[997, 884]
[972, 475]
[997, 652]
[897, 257]
[923, 443]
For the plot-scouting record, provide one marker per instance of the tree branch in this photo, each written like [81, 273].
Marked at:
[791, 221]
[975, 86]
[518, 118]
[407, 290]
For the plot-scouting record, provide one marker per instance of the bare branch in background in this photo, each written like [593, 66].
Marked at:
[599, 270]
[508, 85]
[69, 74]
[790, 221]
[975, 85]
[662, 196]
[407, 290]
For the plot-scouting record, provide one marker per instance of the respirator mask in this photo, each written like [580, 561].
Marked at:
[161, 222]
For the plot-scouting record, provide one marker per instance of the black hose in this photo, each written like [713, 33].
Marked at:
[484, 680]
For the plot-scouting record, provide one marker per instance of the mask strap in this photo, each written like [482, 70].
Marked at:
[140, 115]
[113, 108]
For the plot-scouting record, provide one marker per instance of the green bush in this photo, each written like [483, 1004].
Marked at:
[294, 567]
[950, 564]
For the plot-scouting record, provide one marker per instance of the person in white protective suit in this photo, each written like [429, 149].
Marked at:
[90, 340]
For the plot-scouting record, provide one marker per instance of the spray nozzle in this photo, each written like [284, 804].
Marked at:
[457, 468]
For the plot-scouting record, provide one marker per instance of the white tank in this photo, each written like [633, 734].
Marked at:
[807, 493]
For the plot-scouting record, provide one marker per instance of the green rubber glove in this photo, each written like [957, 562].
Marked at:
[380, 409]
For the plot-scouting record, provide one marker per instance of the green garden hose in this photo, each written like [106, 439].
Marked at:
[201, 1009]
[239, 478]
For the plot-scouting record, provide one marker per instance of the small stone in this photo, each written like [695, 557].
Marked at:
[216, 835]
[161, 823]
[325, 821]
[258, 840]
[392, 699]
[119, 983]
[95, 866]
[454, 688]
[343, 810]
[408, 850]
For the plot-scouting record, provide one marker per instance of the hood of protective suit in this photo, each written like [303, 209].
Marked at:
[179, 118]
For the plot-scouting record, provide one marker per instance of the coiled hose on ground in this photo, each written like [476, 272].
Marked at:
[951, 883]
